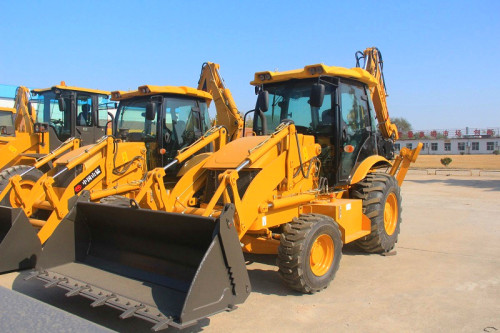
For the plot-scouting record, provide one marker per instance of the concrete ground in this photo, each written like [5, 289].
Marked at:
[445, 276]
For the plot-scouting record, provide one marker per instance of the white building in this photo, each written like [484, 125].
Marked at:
[483, 141]
[7, 95]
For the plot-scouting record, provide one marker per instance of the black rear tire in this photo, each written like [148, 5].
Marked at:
[379, 191]
[296, 266]
[32, 177]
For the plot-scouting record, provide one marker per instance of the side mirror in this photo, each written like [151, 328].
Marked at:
[317, 95]
[62, 103]
[263, 101]
[151, 110]
[30, 109]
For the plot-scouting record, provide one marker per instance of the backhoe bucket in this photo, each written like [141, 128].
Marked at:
[19, 244]
[170, 269]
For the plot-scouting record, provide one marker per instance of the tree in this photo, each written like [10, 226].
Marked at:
[446, 161]
[403, 125]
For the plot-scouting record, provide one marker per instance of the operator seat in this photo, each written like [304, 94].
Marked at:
[327, 117]
[83, 117]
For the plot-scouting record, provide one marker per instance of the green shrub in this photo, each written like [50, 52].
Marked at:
[496, 152]
[445, 161]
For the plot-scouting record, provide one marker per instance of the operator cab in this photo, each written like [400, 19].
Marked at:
[337, 111]
[166, 122]
[72, 112]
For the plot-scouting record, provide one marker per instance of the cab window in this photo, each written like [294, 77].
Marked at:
[104, 106]
[132, 122]
[185, 123]
[290, 100]
[84, 110]
[47, 111]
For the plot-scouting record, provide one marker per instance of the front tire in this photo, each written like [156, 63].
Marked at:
[309, 252]
[381, 196]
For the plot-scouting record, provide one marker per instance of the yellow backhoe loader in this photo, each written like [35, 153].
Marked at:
[155, 126]
[320, 173]
[152, 124]
[47, 121]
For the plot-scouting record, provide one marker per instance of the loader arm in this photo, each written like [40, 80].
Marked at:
[153, 185]
[374, 65]
[277, 158]
[98, 171]
[227, 112]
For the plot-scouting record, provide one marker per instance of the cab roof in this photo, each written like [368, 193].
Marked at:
[148, 90]
[63, 86]
[312, 71]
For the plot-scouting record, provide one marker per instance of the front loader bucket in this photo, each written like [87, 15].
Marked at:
[170, 269]
[19, 244]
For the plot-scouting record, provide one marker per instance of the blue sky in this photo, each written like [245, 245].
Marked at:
[441, 57]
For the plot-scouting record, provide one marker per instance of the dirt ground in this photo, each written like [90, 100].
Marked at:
[484, 162]
[445, 276]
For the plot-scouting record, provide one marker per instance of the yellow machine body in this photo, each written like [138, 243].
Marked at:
[265, 193]
[30, 141]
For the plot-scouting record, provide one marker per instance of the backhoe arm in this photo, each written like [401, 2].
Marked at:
[227, 112]
[24, 120]
[374, 65]
[403, 160]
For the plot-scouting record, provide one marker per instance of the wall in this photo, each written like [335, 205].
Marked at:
[469, 143]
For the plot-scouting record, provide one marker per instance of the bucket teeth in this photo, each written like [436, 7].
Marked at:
[35, 274]
[55, 282]
[130, 312]
[130, 307]
[102, 300]
[76, 291]
[162, 325]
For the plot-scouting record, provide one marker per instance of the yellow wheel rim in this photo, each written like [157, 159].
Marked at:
[321, 256]
[391, 214]
[26, 186]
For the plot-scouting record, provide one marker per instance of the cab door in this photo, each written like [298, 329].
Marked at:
[85, 119]
[356, 140]
[102, 119]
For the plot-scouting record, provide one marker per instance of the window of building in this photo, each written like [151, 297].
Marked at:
[490, 146]
[475, 146]
[447, 146]
[409, 146]
[397, 147]
[461, 146]
[434, 146]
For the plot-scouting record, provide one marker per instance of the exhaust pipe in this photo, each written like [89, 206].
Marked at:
[167, 268]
